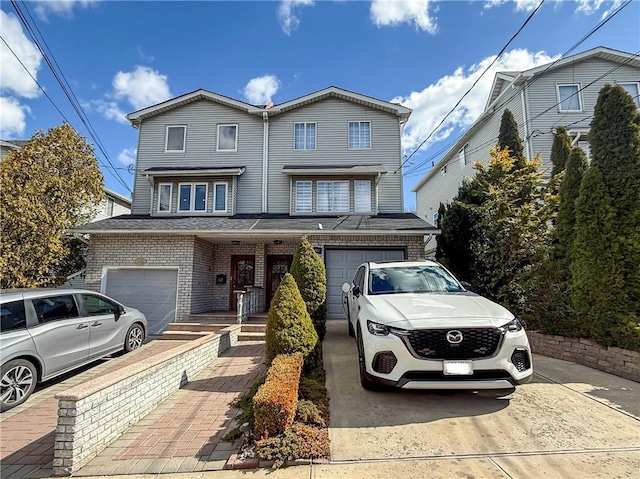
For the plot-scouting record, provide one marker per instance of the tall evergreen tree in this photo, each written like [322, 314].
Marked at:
[441, 212]
[560, 150]
[509, 138]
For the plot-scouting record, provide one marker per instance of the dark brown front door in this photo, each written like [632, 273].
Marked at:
[243, 268]
[277, 267]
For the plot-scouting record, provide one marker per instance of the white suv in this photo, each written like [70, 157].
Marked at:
[417, 327]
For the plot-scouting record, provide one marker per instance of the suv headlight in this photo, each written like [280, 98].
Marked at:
[377, 329]
[512, 326]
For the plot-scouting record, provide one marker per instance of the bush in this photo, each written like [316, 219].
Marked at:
[313, 442]
[308, 413]
[309, 272]
[280, 449]
[275, 403]
[289, 327]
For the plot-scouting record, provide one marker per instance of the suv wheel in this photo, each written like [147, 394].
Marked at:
[18, 381]
[134, 338]
[364, 380]
[352, 333]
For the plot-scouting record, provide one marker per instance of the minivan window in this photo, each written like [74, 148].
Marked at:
[96, 305]
[13, 316]
[55, 308]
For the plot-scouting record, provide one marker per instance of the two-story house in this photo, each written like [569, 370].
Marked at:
[224, 190]
[541, 99]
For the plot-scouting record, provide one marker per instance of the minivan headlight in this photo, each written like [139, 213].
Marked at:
[512, 326]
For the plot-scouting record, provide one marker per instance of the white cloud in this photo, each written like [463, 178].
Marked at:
[128, 156]
[396, 12]
[12, 117]
[521, 5]
[144, 56]
[287, 14]
[13, 76]
[432, 103]
[590, 7]
[60, 7]
[111, 110]
[260, 90]
[142, 87]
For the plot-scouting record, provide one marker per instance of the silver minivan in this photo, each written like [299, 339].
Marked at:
[48, 332]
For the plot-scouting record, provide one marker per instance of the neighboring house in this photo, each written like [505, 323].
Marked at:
[224, 190]
[541, 99]
[7, 145]
[113, 204]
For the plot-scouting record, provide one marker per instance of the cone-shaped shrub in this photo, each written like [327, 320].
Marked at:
[510, 138]
[311, 277]
[560, 150]
[289, 326]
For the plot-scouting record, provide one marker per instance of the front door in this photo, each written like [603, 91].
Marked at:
[243, 268]
[277, 267]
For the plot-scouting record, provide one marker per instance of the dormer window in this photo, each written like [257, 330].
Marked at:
[175, 139]
[227, 137]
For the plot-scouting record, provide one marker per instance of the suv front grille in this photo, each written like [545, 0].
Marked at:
[476, 343]
[384, 362]
[520, 360]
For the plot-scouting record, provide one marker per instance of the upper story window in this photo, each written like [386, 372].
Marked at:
[304, 202]
[220, 202]
[362, 196]
[164, 197]
[304, 136]
[192, 197]
[176, 139]
[633, 89]
[443, 170]
[333, 196]
[462, 156]
[569, 98]
[227, 137]
[359, 135]
[436, 215]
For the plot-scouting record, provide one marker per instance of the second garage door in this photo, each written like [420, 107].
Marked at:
[152, 291]
[341, 264]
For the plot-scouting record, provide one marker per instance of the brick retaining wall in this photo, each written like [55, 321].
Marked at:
[94, 414]
[621, 362]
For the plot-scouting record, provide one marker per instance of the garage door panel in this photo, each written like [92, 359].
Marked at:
[152, 291]
[341, 266]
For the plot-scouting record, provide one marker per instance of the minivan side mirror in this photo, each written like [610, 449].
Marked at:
[346, 287]
[119, 311]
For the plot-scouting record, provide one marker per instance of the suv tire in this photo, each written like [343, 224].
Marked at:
[362, 370]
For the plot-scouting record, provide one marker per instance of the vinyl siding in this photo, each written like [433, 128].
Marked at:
[332, 116]
[202, 119]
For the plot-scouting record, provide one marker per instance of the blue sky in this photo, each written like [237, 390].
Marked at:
[122, 56]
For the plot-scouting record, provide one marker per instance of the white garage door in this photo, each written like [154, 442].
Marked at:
[152, 291]
[341, 264]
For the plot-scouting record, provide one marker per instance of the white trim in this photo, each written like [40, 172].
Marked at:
[464, 161]
[192, 197]
[359, 140]
[310, 182]
[218, 138]
[275, 233]
[160, 185]
[193, 173]
[636, 99]
[579, 94]
[226, 197]
[166, 139]
[315, 135]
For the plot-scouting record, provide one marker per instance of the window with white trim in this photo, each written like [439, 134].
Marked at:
[304, 136]
[164, 197]
[359, 135]
[304, 194]
[192, 197]
[333, 196]
[220, 197]
[462, 156]
[436, 215]
[632, 89]
[569, 98]
[175, 139]
[362, 196]
[227, 137]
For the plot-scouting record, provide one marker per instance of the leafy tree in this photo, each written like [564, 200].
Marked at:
[560, 150]
[309, 272]
[509, 139]
[51, 184]
[289, 326]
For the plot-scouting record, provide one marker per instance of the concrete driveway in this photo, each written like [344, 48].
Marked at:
[570, 421]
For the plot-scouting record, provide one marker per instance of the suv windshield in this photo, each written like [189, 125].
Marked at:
[412, 279]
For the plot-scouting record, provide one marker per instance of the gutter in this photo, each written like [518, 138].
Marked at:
[254, 232]
[265, 159]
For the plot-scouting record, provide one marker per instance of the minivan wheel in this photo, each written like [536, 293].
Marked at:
[18, 380]
[364, 380]
[134, 338]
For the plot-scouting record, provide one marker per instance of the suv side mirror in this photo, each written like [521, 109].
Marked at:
[346, 287]
[466, 285]
[356, 291]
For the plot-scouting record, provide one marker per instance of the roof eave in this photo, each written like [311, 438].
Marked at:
[265, 232]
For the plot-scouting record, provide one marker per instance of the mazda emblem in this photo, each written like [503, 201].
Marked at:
[454, 337]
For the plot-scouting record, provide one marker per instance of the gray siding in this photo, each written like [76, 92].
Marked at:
[331, 117]
[202, 119]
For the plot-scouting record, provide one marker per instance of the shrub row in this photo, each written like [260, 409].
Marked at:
[275, 404]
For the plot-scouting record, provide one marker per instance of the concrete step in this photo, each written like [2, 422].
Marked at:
[213, 319]
[253, 328]
[202, 327]
[251, 336]
[183, 335]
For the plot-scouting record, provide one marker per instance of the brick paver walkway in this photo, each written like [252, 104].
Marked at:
[184, 433]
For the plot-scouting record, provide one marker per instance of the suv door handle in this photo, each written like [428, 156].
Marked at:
[97, 323]
[82, 326]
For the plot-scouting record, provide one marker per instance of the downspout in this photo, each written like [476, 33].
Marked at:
[151, 182]
[525, 121]
[265, 159]
[377, 181]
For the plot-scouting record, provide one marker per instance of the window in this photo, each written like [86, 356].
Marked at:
[443, 170]
[584, 144]
[359, 135]
[569, 98]
[108, 206]
[96, 305]
[164, 197]
[362, 196]
[220, 197]
[358, 279]
[55, 308]
[304, 136]
[227, 137]
[411, 279]
[333, 196]
[462, 156]
[193, 197]
[634, 90]
[436, 215]
[176, 136]
[12, 316]
[303, 196]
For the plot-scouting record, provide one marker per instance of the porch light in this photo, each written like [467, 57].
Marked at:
[277, 241]
[235, 242]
